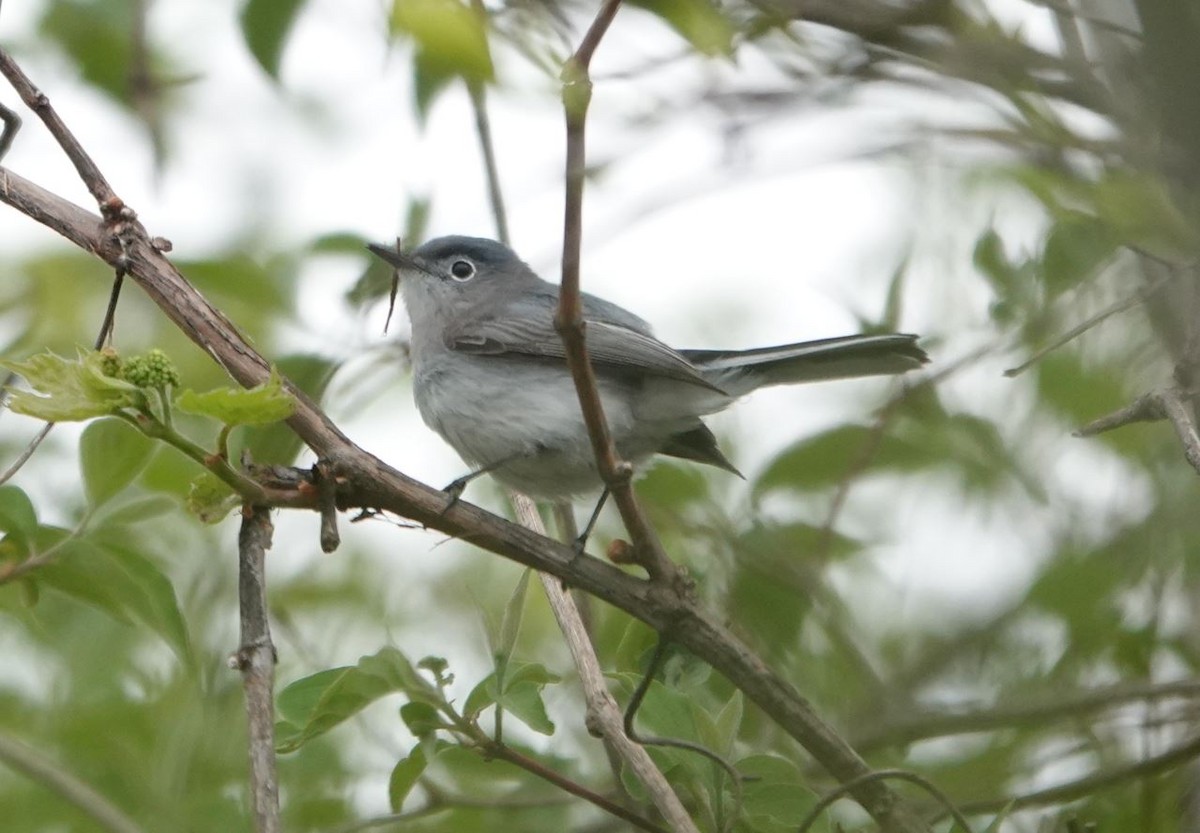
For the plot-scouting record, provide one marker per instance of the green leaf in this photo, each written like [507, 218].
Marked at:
[431, 77]
[265, 27]
[521, 695]
[422, 719]
[266, 443]
[260, 405]
[451, 35]
[404, 777]
[18, 518]
[1140, 209]
[210, 498]
[822, 461]
[775, 795]
[1075, 248]
[121, 583]
[729, 721]
[315, 704]
[1081, 391]
[70, 391]
[127, 513]
[153, 602]
[510, 625]
[700, 22]
[111, 454]
[992, 262]
[96, 37]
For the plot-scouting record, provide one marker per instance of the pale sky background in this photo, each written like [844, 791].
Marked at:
[805, 231]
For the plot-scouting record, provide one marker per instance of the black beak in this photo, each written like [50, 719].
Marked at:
[393, 256]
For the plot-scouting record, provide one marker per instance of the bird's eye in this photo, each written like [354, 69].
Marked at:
[462, 270]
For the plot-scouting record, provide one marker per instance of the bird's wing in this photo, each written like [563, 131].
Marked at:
[609, 345]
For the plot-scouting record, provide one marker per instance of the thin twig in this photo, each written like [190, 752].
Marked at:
[326, 482]
[483, 127]
[24, 456]
[41, 770]
[1003, 716]
[1075, 332]
[553, 776]
[879, 775]
[1083, 787]
[1171, 403]
[37, 101]
[487, 147]
[256, 660]
[603, 714]
[1146, 408]
[635, 701]
[616, 473]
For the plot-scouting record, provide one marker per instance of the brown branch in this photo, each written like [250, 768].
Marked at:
[550, 775]
[256, 660]
[1184, 421]
[37, 101]
[368, 482]
[603, 715]
[616, 473]
[1150, 407]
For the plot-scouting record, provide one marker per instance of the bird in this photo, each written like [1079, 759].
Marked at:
[490, 373]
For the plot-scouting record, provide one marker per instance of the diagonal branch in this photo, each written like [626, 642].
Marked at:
[603, 715]
[39, 103]
[38, 768]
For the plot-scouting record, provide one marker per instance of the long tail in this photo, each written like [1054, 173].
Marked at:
[741, 371]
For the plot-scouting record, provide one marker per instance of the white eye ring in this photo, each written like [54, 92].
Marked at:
[462, 270]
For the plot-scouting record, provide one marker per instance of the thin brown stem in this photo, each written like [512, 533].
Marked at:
[1089, 784]
[39, 103]
[507, 753]
[635, 702]
[603, 715]
[483, 128]
[616, 473]
[256, 660]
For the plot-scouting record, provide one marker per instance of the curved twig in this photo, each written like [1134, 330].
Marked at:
[639, 694]
[879, 775]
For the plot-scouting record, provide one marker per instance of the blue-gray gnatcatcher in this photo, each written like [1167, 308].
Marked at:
[491, 377]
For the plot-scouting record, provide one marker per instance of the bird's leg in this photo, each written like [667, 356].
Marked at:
[455, 487]
[12, 123]
[581, 541]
